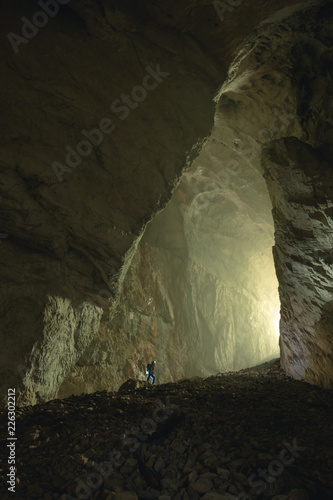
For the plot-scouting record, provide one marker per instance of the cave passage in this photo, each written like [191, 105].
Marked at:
[231, 436]
[211, 263]
[207, 155]
[160, 244]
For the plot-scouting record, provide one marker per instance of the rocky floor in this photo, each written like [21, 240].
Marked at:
[254, 434]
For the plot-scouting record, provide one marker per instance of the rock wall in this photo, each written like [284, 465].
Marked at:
[102, 107]
[201, 295]
[301, 184]
[202, 280]
[205, 262]
[299, 180]
[278, 92]
[67, 332]
[72, 209]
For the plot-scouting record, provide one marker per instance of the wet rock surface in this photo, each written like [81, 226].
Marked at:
[254, 434]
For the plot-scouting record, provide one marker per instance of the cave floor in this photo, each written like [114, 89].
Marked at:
[251, 434]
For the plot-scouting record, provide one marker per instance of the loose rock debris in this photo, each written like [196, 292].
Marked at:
[252, 434]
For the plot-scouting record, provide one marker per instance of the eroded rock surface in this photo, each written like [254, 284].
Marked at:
[72, 237]
[297, 151]
[301, 184]
[68, 230]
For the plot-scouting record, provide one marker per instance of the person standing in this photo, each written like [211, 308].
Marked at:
[150, 371]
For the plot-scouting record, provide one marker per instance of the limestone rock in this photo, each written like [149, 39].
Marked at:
[262, 403]
[72, 209]
[89, 293]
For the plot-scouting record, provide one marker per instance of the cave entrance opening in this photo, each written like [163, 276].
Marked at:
[213, 289]
[210, 291]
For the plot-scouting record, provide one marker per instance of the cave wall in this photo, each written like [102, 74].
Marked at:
[301, 184]
[283, 74]
[204, 263]
[201, 294]
[71, 239]
[297, 169]
[68, 227]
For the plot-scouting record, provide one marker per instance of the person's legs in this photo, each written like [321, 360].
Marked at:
[148, 377]
[153, 378]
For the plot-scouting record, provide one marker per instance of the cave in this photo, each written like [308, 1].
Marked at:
[166, 194]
